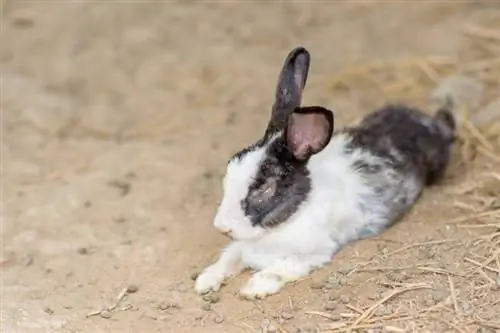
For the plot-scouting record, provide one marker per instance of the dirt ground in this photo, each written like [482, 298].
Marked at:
[118, 118]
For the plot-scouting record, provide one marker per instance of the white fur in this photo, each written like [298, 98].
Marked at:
[328, 219]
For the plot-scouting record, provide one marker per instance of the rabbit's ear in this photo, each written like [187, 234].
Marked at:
[291, 83]
[308, 131]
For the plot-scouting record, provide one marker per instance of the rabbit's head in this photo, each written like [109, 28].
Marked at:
[265, 183]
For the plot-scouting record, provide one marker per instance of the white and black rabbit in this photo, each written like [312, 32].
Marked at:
[292, 199]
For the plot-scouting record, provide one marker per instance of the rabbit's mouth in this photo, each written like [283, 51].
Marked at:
[228, 234]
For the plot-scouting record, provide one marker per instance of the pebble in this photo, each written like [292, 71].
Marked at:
[132, 289]
[497, 281]
[127, 307]
[334, 296]
[439, 296]
[330, 286]
[307, 329]
[163, 306]
[211, 297]
[334, 282]
[345, 299]
[344, 270]
[264, 324]
[317, 285]
[429, 302]
[105, 314]
[330, 306]
[272, 328]
[397, 277]
[218, 320]
[486, 330]
[286, 315]
[48, 310]
[383, 311]
[27, 260]
[83, 251]
[466, 308]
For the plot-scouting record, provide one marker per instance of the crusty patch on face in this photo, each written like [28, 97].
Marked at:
[278, 188]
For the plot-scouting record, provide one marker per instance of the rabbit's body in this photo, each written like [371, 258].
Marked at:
[295, 197]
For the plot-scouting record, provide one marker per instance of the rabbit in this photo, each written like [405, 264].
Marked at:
[295, 197]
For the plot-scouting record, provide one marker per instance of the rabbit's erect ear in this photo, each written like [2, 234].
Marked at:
[308, 131]
[291, 82]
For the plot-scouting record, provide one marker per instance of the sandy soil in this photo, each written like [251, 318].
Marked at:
[118, 119]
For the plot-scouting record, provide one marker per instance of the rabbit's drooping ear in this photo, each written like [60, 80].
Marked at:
[291, 82]
[308, 131]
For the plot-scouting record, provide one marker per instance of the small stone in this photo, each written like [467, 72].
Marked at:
[286, 315]
[218, 320]
[486, 330]
[345, 299]
[397, 276]
[127, 307]
[194, 276]
[48, 310]
[27, 260]
[439, 296]
[105, 314]
[342, 281]
[132, 289]
[334, 296]
[264, 324]
[344, 270]
[182, 287]
[120, 219]
[497, 281]
[329, 286]
[83, 251]
[429, 302]
[22, 22]
[211, 297]
[334, 282]
[330, 306]
[206, 307]
[317, 284]
[272, 328]
[383, 311]
[307, 329]
[163, 306]
[122, 186]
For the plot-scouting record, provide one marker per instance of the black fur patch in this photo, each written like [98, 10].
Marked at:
[290, 184]
[406, 139]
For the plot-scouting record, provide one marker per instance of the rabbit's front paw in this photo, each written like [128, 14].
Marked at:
[261, 286]
[210, 279]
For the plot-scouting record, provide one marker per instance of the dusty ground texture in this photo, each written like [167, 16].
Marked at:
[118, 119]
